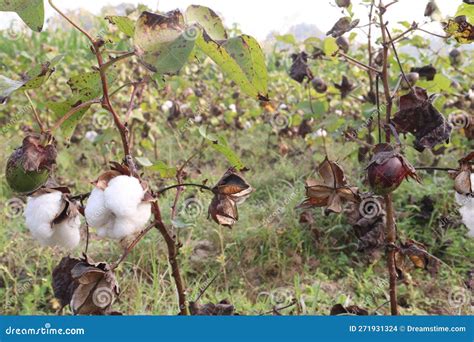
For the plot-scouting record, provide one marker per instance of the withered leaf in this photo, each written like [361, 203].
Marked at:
[299, 69]
[343, 25]
[427, 71]
[35, 156]
[418, 116]
[419, 257]
[345, 87]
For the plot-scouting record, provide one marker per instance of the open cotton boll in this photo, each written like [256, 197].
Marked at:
[123, 195]
[128, 225]
[66, 234]
[40, 211]
[97, 215]
[467, 211]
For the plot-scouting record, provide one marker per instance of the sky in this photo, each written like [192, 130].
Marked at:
[260, 17]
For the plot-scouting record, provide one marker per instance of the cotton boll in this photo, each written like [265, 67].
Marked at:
[128, 225]
[66, 234]
[97, 215]
[122, 195]
[468, 219]
[40, 211]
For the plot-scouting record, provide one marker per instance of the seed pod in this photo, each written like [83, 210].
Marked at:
[412, 77]
[387, 169]
[319, 85]
[29, 166]
[343, 43]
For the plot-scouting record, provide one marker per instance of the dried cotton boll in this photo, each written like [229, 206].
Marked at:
[123, 195]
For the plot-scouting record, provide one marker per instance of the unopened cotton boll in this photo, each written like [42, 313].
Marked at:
[123, 195]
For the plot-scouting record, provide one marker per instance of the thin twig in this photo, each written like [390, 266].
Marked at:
[35, 113]
[117, 59]
[398, 61]
[357, 63]
[84, 32]
[202, 186]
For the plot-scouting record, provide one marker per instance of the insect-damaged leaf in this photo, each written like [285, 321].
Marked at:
[418, 116]
[30, 11]
[87, 86]
[460, 29]
[207, 19]
[162, 42]
[124, 24]
[331, 192]
[33, 79]
[241, 59]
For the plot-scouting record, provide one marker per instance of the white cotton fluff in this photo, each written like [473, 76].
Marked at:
[40, 212]
[118, 211]
[467, 209]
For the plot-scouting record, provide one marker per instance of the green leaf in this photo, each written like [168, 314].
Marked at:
[330, 46]
[61, 108]
[88, 85]
[241, 59]
[162, 42]
[287, 39]
[124, 24]
[30, 11]
[219, 143]
[467, 10]
[207, 19]
[164, 170]
[33, 79]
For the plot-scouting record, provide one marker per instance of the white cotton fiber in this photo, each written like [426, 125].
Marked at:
[40, 211]
[118, 211]
[66, 234]
[97, 215]
[467, 210]
[123, 194]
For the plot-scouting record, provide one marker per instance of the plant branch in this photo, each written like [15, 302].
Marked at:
[35, 113]
[357, 63]
[398, 61]
[117, 59]
[390, 234]
[202, 186]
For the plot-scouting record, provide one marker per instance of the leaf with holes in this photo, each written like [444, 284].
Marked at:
[162, 42]
[88, 85]
[33, 79]
[207, 19]
[30, 11]
[241, 59]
